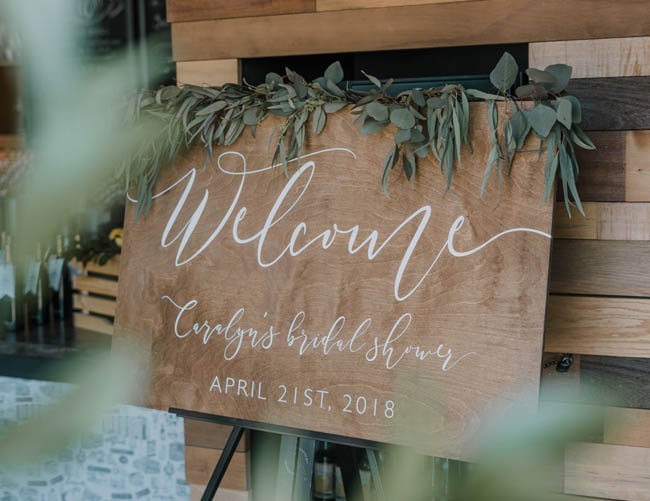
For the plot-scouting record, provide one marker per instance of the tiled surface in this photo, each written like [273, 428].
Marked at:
[132, 454]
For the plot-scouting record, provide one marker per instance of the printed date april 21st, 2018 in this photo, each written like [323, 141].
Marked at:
[291, 395]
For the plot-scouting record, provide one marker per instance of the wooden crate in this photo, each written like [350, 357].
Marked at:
[94, 296]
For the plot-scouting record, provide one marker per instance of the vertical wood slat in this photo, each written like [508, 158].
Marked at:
[208, 73]
[194, 10]
[608, 471]
[612, 57]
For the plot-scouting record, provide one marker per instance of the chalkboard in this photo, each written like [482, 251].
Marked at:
[310, 299]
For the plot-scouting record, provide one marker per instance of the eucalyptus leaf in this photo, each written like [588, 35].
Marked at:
[539, 76]
[520, 128]
[484, 96]
[576, 109]
[402, 118]
[319, 117]
[334, 72]
[541, 118]
[334, 106]
[563, 111]
[372, 126]
[402, 136]
[212, 108]
[377, 111]
[562, 74]
[417, 97]
[375, 81]
[504, 74]
[273, 79]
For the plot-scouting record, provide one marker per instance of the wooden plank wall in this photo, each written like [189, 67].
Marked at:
[599, 307]
[204, 443]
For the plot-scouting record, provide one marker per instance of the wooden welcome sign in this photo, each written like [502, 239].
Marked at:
[312, 300]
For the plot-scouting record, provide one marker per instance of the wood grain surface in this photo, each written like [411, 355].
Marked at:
[601, 267]
[637, 161]
[323, 5]
[627, 427]
[619, 103]
[487, 307]
[604, 221]
[415, 26]
[598, 326]
[602, 176]
[612, 57]
[208, 73]
[609, 471]
[615, 381]
[211, 435]
[194, 10]
[200, 462]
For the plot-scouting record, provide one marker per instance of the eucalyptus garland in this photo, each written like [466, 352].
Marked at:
[434, 120]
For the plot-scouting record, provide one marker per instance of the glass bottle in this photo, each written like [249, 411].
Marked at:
[324, 476]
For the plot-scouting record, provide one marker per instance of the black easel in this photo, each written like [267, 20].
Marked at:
[240, 425]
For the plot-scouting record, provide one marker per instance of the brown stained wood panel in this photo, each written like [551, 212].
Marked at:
[637, 153]
[196, 494]
[323, 5]
[601, 267]
[609, 471]
[615, 381]
[418, 26]
[195, 10]
[200, 462]
[489, 304]
[94, 304]
[93, 323]
[598, 326]
[211, 435]
[604, 221]
[613, 103]
[614, 57]
[602, 171]
[95, 285]
[208, 73]
[627, 427]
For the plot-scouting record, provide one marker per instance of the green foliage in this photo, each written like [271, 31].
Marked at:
[431, 123]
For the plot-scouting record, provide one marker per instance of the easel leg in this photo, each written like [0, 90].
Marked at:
[222, 464]
[376, 478]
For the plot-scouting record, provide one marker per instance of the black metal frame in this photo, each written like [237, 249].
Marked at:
[238, 427]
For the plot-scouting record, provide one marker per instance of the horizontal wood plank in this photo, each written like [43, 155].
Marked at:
[111, 267]
[609, 471]
[598, 326]
[195, 10]
[95, 285]
[603, 170]
[604, 221]
[208, 73]
[613, 57]
[94, 304]
[196, 493]
[613, 103]
[416, 26]
[324, 5]
[627, 427]
[601, 267]
[93, 323]
[12, 141]
[200, 462]
[211, 435]
[615, 381]
[637, 159]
